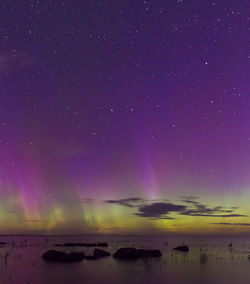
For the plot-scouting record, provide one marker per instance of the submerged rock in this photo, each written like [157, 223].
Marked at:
[82, 245]
[182, 248]
[203, 258]
[133, 253]
[91, 257]
[101, 253]
[149, 253]
[60, 256]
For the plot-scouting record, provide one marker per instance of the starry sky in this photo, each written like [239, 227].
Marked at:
[124, 117]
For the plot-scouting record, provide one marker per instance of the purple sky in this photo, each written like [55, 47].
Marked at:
[121, 99]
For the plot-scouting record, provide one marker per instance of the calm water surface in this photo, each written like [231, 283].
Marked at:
[209, 261]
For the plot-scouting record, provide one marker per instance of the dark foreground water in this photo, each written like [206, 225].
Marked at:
[209, 261]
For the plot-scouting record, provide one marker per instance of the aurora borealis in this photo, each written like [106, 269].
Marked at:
[124, 117]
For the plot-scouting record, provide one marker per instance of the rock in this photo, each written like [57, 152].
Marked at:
[2, 243]
[104, 245]
[101, 253]
[60, 256]
[53, 255]
[82, 245]
[91, 257]
[182, 248]
[97, 254]
[132, 253]
[126, 253]
[73, 257]
[149, 253]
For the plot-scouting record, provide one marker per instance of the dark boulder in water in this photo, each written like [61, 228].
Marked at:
[73, 257]
[182, 248]
[126, 253]
[53, 255]
[133, 253]
[101, 253]
[60, 256]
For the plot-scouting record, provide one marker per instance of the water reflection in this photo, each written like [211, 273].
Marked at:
[208, 261]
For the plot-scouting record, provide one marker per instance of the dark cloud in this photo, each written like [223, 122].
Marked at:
[217, 215]
[160, 218]
[189, 199]
[191, 202]
[159, 210]
[127, 202]
[199, 209]
[232, 224]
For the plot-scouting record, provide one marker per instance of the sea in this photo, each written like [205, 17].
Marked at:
[209, 261]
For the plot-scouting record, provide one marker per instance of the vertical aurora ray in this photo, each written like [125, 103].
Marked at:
[102, 117]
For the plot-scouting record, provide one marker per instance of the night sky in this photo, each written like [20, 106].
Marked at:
[124, 117]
